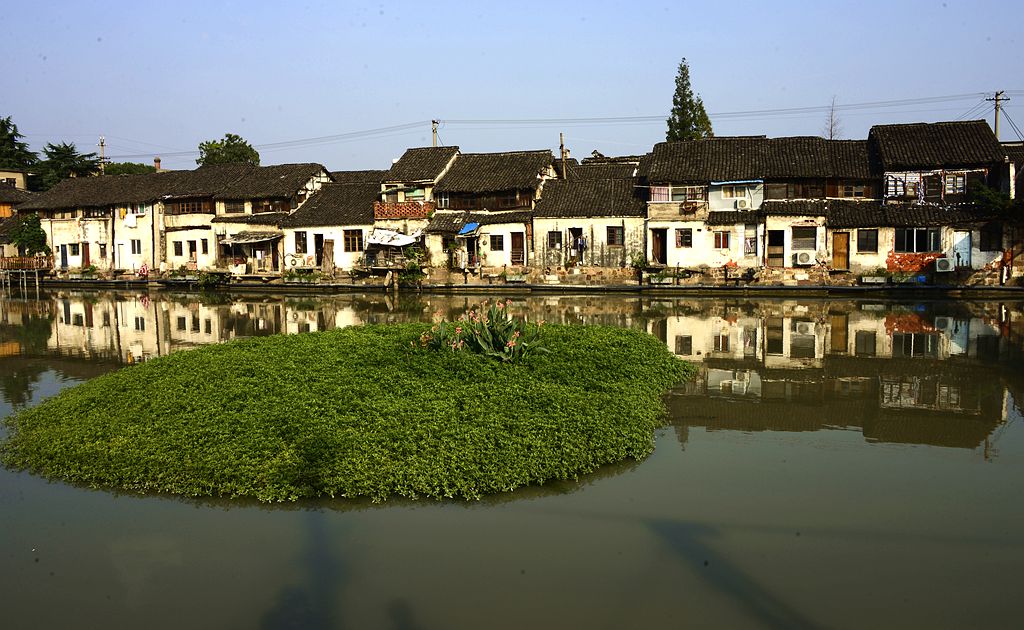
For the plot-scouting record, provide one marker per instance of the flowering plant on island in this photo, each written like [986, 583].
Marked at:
[490, 330]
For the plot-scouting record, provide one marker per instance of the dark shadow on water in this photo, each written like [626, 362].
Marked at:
[690, 542]
[311, 603]
[400, 615]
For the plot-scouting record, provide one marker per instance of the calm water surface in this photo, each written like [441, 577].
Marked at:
[837, 464]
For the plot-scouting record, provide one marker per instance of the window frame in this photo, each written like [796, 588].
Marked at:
[352, 240]
[931, 235]
[497, 242]
[554, 239]
[865, 235]
[721, 239]
[179, 248]
[684, 238]
[616, 236]
[301, 242]
[136, 246]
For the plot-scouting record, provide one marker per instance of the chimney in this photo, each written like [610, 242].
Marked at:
[156, 163]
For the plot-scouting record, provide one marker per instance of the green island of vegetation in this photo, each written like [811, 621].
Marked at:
[367, 411]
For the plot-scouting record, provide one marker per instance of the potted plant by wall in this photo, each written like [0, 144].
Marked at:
[878, 276]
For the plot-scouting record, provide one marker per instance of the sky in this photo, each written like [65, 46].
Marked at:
[351, 85]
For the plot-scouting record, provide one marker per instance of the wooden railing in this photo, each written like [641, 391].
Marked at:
[26, 263]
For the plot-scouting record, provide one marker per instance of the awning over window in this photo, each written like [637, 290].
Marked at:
[390, 238]
[242, 238]
[469, 229]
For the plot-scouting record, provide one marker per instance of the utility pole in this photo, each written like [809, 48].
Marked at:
[561, 152]
[433, 130]
[998, 99]
[103, 157]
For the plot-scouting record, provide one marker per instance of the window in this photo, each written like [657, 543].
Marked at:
[192, 250]
[722, 343]
[916, 240]
[205, 246]
[867, 241]
[864, 343]
[195, 323]
[721, 240]
[391, 194]
[10, 181]
[73, 249]
[956, 183]
[442, 200]
[136, 246]
[750, 240]
[182, 324]
[684, 237]
[190, 206]
[689, 193]
[853, 190]
[733, 192]
[915, 344]
[139, 209]
[353, 240]
[207, 327]
[140, 323]
[416, 194]
[301, 242]
[805, 238]
[554, 240]
[497, 243]
[178, 249]
[103, 250]
[660, 193]
[616, 236]
[684, 345]
[234, 207]
[991, 238]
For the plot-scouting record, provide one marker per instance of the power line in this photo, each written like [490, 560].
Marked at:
[1016, 129]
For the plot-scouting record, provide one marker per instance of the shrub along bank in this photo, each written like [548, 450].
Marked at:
[363, 411]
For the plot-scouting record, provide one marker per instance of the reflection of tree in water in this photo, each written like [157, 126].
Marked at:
[17, 383]
[34, 334]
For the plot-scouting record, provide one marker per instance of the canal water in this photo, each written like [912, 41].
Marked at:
[836, 464]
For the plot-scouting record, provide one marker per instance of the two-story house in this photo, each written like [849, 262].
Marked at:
[330, 230]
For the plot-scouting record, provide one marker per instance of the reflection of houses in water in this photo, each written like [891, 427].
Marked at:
[125, 329]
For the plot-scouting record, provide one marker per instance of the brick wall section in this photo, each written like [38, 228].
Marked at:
[402, 210]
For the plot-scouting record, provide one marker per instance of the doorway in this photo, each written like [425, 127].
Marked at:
[776, 250]
[659, 245]
[63, 256]
[85, 255]
[318, 249]
[962, 248]
[518, 248]
[841, 251]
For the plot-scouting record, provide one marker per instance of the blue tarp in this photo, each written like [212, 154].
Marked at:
[469, 228]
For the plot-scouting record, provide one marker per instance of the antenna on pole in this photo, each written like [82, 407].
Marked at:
[998, 99]
[103, 155]
[433, 130]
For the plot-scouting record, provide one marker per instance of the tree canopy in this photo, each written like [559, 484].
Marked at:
[28, 235]
[688, 120]
[128, 168]
[14, 153]
[62, 161]
[229, 150]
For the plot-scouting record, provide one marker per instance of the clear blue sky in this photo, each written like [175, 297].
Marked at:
[160, 77]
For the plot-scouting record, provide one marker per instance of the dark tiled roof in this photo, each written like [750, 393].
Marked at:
[495, 172]
[358, 177]
[261, 218]
[7, 226]
[936, 145]
[731, 217]
[597, 158]
[863, 214]
[590, 198]
[280, 181]
[93, 192]
[609, 170]
[755, 157]
[1014, 151]
[794, 208]
[337, 204]
[854, 214]
[446, 222]
[570, 164]
[421, 164]
[204, 181]
[10, 194]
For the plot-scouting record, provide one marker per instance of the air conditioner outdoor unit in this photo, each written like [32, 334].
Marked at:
[742, 204]
[741, 377]
[943, 323]
[803, 258]
[804, 328]
[944, 264]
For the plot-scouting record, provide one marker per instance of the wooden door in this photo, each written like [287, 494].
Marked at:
[840, 332]
[659, 246]
[85, 255]
[327, 266]
[518, 248]
[841, 250]
[64, 256]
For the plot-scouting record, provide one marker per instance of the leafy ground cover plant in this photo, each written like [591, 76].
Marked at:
[357, 412]
[491, 331]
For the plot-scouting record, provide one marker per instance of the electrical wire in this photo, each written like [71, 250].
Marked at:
[1016, 129]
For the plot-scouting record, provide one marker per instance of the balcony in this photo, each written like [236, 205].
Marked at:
[402, 209]
[26, 263]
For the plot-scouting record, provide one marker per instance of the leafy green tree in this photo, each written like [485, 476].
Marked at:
[63, 161]
[28, 235]
[14, 153]
[230, 150]
[688, 120]
[128, 168]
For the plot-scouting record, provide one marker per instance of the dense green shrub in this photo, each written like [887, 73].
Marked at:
[353, 412]
[491, 331]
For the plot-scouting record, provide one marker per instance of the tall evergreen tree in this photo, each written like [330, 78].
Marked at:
[14, 153]
[688, 120]
[62, 161]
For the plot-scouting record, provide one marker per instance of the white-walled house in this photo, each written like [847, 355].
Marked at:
[333, 224]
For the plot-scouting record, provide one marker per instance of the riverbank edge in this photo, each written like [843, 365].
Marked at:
[911, 291]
